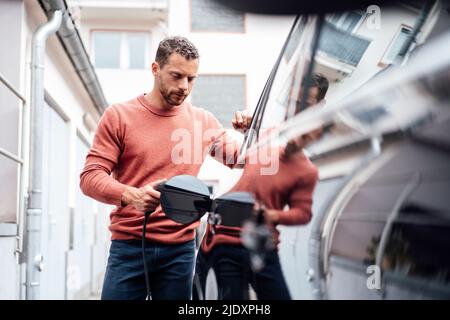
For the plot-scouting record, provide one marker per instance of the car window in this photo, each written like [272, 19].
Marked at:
[299, 34]
[284, 92]
[351, 51]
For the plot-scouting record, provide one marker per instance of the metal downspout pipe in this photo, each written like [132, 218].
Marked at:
[72, 43]
[34, 258]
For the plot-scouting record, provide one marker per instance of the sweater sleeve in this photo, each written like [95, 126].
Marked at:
[300, 202]
[95, 179]
[224, 147]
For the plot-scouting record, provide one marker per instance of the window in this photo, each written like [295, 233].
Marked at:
[10, 107]
[342, 45]
[210, 16]
[285, 96]
[396, 50]
[8, 189]
[107, 50]
[9, 142]
[222, 95]
[137, 51]
[120, 50]
[348, 21]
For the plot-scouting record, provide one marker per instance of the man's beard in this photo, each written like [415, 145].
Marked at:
[172, 98]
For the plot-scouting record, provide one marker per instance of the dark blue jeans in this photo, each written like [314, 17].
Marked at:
[170, 269]
[231, 265]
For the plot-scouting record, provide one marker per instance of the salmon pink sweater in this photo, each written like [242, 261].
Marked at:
[135, 144]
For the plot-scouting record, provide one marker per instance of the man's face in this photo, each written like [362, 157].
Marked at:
[176, 78]
[311, 99]
[312, 96]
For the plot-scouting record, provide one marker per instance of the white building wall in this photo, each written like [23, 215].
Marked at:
[9, 271]
[71, 102]
[120, 85]
[11, 54]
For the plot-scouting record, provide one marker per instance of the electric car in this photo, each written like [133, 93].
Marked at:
[380, 227]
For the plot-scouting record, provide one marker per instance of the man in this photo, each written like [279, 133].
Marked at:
[135, 141]
[292, 185]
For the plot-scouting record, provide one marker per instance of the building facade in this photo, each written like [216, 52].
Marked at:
[73, 231]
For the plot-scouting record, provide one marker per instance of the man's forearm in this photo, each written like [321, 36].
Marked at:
[96, 183]
[226, 150]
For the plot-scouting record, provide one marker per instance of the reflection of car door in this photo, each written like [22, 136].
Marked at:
[398, 221]
[415, 255]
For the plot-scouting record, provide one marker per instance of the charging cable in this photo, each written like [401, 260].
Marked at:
[144, 231]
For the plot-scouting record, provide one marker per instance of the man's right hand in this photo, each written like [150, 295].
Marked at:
[242, 120]
[143, 199]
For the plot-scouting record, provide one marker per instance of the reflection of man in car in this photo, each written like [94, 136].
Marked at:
[133, 141]
[291, 186]
[316, 93]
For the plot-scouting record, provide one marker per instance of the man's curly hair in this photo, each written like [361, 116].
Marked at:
[177, 44]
